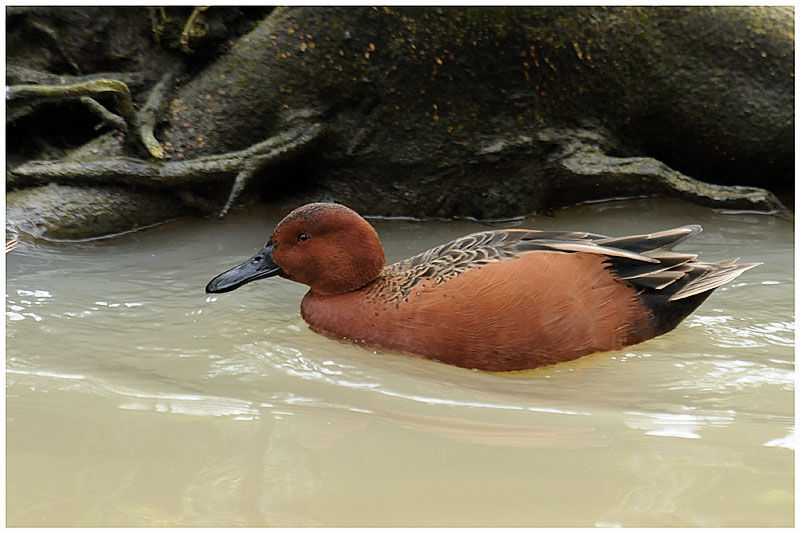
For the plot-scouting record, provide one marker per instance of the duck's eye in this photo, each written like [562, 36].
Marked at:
[303, 238]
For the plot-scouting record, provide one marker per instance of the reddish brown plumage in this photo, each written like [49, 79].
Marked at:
[495, 300]
[538, 309]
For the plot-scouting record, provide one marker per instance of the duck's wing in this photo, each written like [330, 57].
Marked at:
[645, 260]
[451, 259]
[487, 246]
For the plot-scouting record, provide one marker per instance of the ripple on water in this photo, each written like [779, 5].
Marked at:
[727, 331]
[21, 306]
[683, 425]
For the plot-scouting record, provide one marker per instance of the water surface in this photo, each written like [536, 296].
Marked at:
[133, 398]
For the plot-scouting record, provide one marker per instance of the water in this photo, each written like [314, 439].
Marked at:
[133, 398]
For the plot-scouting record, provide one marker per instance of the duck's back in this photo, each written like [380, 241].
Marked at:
[517, 299]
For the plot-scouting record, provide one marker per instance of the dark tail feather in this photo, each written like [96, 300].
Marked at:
[710, 276]
[677, 299]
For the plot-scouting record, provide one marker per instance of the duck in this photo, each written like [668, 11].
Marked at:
[497, 301]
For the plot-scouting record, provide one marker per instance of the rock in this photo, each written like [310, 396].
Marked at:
[428, 109]
[64, 212]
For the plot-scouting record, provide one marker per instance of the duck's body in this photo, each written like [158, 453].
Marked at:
[495, 300]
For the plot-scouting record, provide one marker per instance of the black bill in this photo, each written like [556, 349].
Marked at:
[257, 267]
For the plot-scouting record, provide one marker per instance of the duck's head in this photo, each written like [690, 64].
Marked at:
[328, 247]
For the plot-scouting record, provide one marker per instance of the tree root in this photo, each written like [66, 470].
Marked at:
[87, 88]
[153, 110]
[648, 175]
[175, 174]
[17, 75]
[115, 121]
[189, 28]
[21, 107]
[143, 123]
[155, 26]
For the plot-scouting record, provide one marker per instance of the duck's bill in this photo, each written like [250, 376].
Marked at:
[259, 266]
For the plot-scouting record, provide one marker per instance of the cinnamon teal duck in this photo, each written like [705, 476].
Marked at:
[497, 300]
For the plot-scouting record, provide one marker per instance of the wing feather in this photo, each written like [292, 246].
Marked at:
[645, 260]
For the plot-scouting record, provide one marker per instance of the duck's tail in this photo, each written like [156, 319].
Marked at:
[671, 304]
[682, 283]
[671, 284]
[700, 278]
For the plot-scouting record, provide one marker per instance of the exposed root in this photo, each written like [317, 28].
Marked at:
[722, 196]
[115, 121]
[189, 28]
[175, 174]
[153, 110]
[156, 26]
[239, 183]
[585, 157]
[19, 107]
[17, 75]
[88, 88]
[143, 123]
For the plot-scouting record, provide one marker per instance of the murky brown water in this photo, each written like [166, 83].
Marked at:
[133, 398]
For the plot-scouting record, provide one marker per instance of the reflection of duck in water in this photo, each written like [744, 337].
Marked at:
[496, 300]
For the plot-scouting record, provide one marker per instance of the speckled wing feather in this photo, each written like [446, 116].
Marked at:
[472, 251]
[447, 261]
[643, 260]
[451, 259]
